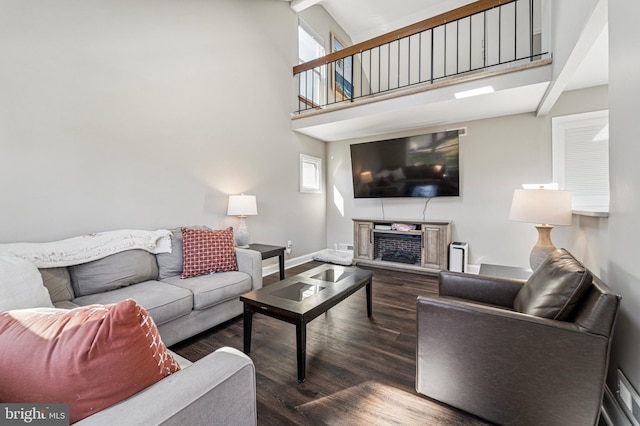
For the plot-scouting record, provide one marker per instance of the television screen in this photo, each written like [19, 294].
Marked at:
[414, 166]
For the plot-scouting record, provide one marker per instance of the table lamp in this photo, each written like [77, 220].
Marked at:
[545, 207]
[242, 206]
[366, 177]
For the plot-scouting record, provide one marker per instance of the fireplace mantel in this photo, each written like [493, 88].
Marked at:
[427, 240]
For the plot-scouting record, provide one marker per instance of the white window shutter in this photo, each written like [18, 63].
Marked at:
[581, 158]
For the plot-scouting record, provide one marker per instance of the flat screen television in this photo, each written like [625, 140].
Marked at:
[415, 166]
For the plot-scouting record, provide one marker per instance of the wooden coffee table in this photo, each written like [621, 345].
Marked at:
[303, 297]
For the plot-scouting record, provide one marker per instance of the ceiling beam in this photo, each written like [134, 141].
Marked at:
[593, 29]
[300, 5]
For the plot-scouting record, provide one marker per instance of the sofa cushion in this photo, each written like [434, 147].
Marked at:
[170, 264]
[163, 302]
[114, 271]
[90, 357]
[555, 288]
[207, 251]
[58, 282]
[21, 285]
[211, 289]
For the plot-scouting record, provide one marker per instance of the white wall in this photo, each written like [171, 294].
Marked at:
[147, 114]
[609, 246]
[568, 19]
[619, 263]
[323, 24]
[496, 157]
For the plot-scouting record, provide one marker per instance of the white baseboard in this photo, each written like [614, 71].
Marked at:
[611, 412]
[473, 269]
[289, 263]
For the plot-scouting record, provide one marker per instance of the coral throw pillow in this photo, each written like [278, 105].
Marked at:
[207, 251]
[90, 357]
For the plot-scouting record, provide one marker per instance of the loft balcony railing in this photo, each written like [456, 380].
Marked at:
[484, 35]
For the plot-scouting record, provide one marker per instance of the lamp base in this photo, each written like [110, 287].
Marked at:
[241, 234]
[543, 248]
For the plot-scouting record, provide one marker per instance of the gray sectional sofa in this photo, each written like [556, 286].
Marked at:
[218, 389]
[181, 308]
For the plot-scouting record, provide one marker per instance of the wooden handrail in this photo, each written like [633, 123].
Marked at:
[453, 15]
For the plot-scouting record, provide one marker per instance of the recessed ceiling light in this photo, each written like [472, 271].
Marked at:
[474, 92]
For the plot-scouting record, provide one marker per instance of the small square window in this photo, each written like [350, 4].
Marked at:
[310, 174]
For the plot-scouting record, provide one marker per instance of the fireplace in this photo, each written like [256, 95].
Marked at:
[401, 248]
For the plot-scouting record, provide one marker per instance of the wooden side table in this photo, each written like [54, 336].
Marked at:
[267, 252]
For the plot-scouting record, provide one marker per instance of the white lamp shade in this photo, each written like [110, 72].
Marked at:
[544, 206]
[366, 177]
[242, 205]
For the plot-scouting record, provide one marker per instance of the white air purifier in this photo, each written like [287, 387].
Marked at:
[458, 257]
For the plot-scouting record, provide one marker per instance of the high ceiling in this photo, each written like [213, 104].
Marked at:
[365, 19]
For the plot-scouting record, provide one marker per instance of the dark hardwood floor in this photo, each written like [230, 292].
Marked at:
[359, 370]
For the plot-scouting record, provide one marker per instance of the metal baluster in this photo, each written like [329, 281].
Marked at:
[312, 87]
[370, 71]
[444, 27]
[431, 56]
[326, 83]
[484, 42]
[353, 83]
[409, 61]
[515, 30]
[398, 43]
[531, 30]
[420, 57]
[471, 64]
[457, 46]
[299, 89]
[379, 68]
[388, 66]
[335, 81]
[361, 75]
[499, 35]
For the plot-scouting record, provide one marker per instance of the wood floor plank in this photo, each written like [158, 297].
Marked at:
[359, 370]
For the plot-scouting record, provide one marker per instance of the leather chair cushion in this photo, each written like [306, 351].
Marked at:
[555, 288]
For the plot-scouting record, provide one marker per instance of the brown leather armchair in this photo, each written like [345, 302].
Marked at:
[515, 352]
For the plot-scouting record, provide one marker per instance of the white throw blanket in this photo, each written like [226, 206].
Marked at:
[77, 250]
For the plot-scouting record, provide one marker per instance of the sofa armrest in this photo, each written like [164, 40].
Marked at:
[506, 366]
[479, 288]
[218, 389]
[250, 261]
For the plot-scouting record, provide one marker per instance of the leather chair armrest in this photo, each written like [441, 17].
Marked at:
[479, 288]
[499, 364]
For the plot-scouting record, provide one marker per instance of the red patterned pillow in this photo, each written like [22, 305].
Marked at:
[207, 251]
[90, 357]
